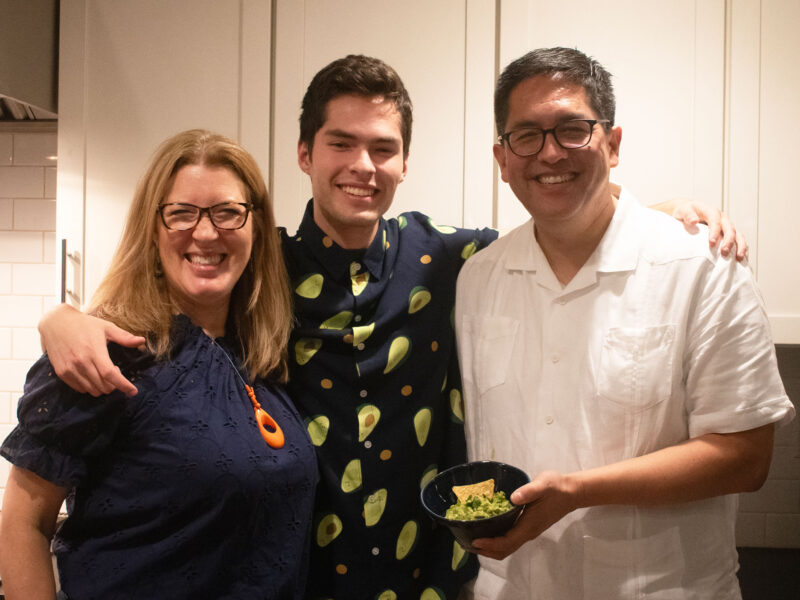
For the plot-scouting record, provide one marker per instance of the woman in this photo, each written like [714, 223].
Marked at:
[188, 489]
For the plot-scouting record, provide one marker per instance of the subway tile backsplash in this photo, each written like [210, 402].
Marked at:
[767, 518]
[34, 149]
[35, 214]
[27, 261]
[27, 255]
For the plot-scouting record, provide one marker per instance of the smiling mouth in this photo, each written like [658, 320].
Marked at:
[552, 179]
[205, 260]
[357, 191]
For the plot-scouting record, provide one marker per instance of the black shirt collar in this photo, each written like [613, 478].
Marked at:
[335, 259]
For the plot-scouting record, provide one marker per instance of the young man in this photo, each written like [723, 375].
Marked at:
[616, 358]
[373, 358]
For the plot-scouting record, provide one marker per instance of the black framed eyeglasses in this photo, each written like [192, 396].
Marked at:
[180, 216]
[572, 134]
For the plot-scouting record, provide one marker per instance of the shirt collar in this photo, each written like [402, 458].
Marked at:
[617, 251]
[335, 259]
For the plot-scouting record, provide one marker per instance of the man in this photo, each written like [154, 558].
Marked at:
[373, 358]
[617, 359]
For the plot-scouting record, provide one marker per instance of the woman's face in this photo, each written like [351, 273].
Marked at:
[201, 265]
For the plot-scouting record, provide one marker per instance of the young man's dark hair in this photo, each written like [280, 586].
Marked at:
[567, 64]
[359, 75]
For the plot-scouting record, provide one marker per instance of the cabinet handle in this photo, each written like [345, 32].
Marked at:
[63, 270]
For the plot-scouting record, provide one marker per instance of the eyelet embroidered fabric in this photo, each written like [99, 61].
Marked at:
[174, 493]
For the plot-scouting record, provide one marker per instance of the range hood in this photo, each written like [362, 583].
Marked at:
[28, 60]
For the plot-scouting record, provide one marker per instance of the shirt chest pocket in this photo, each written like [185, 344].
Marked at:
[487, 351]
[635, 370]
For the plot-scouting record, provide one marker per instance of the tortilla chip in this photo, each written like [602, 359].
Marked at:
[482, 488]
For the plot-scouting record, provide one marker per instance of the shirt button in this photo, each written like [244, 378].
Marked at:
[561, 301]
[367, 444]
[363, 393]
[360, 346]
[376, 551]
[555, 358]
[357, 318]
[549, 420]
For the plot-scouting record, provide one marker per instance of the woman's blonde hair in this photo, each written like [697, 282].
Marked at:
[133, 293]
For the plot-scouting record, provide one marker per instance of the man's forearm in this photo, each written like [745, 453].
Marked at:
[710, 465]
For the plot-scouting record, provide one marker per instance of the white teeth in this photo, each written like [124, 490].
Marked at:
[197, 259]
[555, 178]
[357, 191]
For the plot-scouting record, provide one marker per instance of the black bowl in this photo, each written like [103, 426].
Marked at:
[437, 496]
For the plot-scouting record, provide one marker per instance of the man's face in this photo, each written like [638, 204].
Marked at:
[355, 166]
[556, 184]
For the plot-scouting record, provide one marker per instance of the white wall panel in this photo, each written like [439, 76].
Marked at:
[778, 196]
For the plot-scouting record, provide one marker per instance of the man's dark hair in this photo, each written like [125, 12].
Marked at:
[359, 75]
[566, 64]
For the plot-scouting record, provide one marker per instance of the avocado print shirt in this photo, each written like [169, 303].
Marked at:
[375, 375]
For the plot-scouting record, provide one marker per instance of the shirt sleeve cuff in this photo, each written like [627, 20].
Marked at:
[24, 451]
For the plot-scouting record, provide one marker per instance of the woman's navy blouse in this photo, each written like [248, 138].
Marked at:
[174, 493]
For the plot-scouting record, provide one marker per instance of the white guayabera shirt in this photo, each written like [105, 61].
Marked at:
[656, 340]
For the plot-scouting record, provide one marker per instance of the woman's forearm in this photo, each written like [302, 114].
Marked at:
[27, 524]
[27, 565]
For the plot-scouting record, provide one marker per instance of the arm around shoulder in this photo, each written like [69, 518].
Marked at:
[76, 346]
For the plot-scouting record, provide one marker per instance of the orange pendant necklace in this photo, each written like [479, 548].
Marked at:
[273, 438]
[274, 435]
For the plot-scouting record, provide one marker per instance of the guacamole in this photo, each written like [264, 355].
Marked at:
[479, 507]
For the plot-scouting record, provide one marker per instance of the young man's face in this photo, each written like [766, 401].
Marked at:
[557, 184]
[355, 166]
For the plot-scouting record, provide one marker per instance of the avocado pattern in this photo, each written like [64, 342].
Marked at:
[368, 417]
[418, 299]
[446, 229]
[422, 425]
[337, 321]
[407, 539]
[358, 280]
[351, 478]
[430, 472]
[361, 333]
[432, 593]
[374, 505]
[468, 250]
[330, 526]
[317, 427]
[398, 353]
[305, 348]
[310, 287]
[456, 406]
[459, 556]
